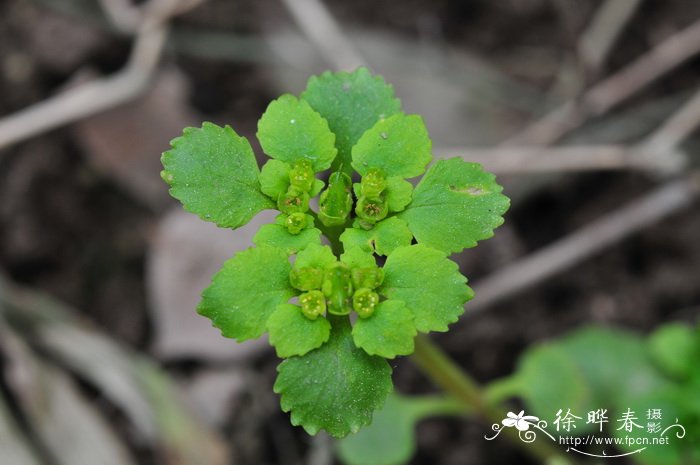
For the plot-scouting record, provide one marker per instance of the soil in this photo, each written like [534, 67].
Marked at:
[75, 232]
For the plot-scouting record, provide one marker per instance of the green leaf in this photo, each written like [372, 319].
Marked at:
[383, 238]
[550, 379]
[245, 292]
[351, 103]
[589, 369]
[429, 283]
[398, 145]
[675, 348]
[291, 333]
[678, 451]
[274, 178]
[336, 387]
[398, 193]
[455, 205]
[355, 257]
[315, 256]
[275, 235]
[213, 172]
[390, 439]
[388, 332]
[317, 188]
[290, 130]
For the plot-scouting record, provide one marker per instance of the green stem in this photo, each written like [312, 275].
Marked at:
[332, 233]
[430, 406]
[445, 373]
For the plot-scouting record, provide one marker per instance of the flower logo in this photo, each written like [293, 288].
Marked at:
[520, 421]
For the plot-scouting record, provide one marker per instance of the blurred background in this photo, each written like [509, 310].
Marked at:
[586, 110]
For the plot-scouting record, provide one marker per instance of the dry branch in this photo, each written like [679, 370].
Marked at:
[521, 160]
[100, 94]
[613, 90]
[590, 239]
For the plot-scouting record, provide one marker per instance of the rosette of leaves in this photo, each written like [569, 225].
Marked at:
[332, 312]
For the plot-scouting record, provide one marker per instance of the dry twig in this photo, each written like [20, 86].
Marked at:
[605, 28]
[324, 32]
[100, 94]
[613, 90]
[522, 160]
[590, 239]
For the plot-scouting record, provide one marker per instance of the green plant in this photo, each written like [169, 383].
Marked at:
[596, 367]
[335, 372]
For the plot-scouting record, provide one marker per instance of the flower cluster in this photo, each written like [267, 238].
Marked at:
[343, 127]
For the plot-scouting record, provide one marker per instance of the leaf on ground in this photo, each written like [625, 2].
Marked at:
[388, 332]
[398, 145]
[429, 283]
[455, 205]
[383, 238]
[291, 333]
[336, 387]
[351, 103]
[213, 172]
[291, 130]
[245, 292]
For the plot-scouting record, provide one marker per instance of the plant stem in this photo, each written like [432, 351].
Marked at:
[332, 233]
[445, 373]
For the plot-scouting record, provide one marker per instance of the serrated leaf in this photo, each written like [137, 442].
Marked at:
[213, 172]
[398, 145]
[245, 292]
[357, 258]
[398, 193]
[290, 130]
[388, 332]
[336, 387]
[291, 333]
[383, 238]
[429, 283]
[274, 178]
[455, 205]
[315, 256]
[351, 103]
[275, 235]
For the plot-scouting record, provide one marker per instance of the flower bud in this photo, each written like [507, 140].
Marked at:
[367, 277]
[296, 223]
[306, 279]
[364, 301]
[301, 176]
[373, 183]
[337, 287]
[335, 202]
[372, 209]
[313, 304]
[294, 201]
